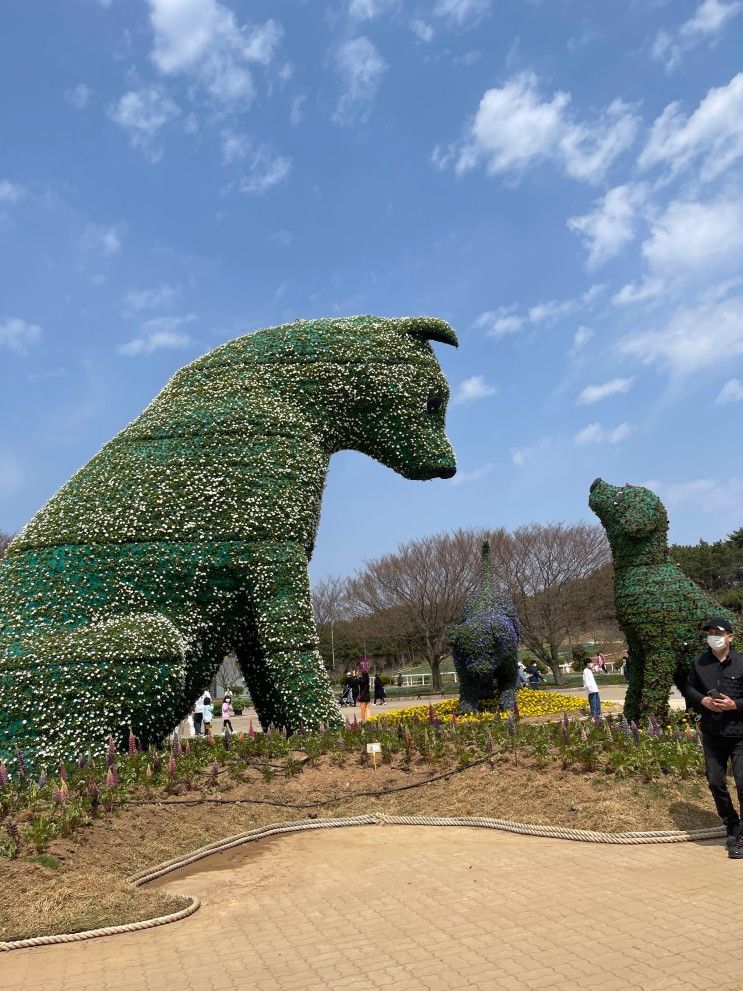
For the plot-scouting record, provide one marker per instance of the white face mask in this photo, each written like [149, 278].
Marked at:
[715, 642]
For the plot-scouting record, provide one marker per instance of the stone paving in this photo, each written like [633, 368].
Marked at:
[426, 909]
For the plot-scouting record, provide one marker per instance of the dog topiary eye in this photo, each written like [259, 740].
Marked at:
[434, 404]
[618, 497]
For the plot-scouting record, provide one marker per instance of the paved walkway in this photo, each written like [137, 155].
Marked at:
[425, 909]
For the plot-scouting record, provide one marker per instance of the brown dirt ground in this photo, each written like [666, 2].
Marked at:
[89, 888]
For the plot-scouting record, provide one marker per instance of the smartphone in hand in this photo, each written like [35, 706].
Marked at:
[714, 694]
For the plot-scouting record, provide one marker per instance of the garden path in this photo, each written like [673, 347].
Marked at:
[424, 909]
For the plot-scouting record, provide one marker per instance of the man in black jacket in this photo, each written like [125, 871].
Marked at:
[715, 688]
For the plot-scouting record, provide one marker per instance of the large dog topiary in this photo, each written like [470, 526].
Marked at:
[189, 535]
[485, 644]
[659, 609]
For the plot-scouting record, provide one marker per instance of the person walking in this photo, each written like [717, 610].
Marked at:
[589, 683]
[533, 675]
[379, 695]
[521, 680]
[227, 713]
[198, 714]
[355, 686]
[626, 667]
[208, 715]
[364, 691]
[715, 689]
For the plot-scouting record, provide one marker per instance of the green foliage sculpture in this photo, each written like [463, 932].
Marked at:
[485, 644]
[659, 609]
[189, 534]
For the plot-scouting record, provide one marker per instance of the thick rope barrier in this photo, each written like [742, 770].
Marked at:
[653, 836]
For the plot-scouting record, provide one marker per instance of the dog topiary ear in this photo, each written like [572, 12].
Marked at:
[429, 329]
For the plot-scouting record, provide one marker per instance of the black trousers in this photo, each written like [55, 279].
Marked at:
[718, 752]
[198, 718]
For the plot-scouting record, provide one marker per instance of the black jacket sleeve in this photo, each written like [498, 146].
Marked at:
[695, 690]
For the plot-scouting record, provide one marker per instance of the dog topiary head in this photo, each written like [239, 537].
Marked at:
[629, 513]
[397, 406]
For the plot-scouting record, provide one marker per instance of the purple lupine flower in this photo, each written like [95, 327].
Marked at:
[214, 770]
[635, 730]
[431, 715]
[170, 767]
[400, 734]
[565, 721]
[42, 779]
[653, 726]
[61, 794]
[227, 741]
[565, 731]
[132, 743]
[626, 728]
[111, 752]
[21, 764]
[511, 725]
[177, 748]
[488, 743]
[62, 772]
[4, 779]
[677, 734]
[112, 778]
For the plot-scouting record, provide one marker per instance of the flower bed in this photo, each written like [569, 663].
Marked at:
[530, 703]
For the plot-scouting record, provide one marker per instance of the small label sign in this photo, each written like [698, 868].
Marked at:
[374, 748]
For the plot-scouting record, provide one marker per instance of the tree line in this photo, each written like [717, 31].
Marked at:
[397, 607]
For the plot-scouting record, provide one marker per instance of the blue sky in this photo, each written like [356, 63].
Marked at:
[561, 181]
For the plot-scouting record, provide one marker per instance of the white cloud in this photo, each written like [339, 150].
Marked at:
[594, 433]
[516, 127]
[265, 168]
[422, 30]
[202, 38]
[711, 495]
[282, 237]
[731, 392]
[101, 239]
[692, 235]
[297, 109]
[611, 226]
[461, 12]
[634, 292]
[594, 393]
[143, 113]
[11, 475]
[711, 136]
[693, 339]
[524, 455]
[706, 24]
[368, 10]
[79, 96]
[361, 68]
[18, 335]
[464, 477]
[473, 388]
[161, 333]
[150, 299]
[10, 192]
[554, 309]
[504, 320]
[581, 337]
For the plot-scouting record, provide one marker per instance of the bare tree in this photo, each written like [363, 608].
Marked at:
[422, 588]
[330, 606]
[5, 539]
[552, 572]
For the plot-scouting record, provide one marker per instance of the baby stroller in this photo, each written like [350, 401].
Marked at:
[346, 696]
